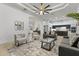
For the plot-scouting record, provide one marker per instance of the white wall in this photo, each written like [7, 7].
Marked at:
[8, 16]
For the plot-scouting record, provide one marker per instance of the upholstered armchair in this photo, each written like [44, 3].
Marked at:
[20, 39]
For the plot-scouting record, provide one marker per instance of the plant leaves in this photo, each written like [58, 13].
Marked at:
[73, 15]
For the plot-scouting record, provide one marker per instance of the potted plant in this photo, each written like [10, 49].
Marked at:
[74, 15]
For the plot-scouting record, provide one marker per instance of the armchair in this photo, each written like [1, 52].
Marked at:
[20, 39]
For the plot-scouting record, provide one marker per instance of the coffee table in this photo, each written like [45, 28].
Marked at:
[47, 43]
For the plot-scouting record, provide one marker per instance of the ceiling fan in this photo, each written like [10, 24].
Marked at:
[43, 9]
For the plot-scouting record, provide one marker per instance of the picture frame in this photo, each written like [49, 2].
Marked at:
[19, 25]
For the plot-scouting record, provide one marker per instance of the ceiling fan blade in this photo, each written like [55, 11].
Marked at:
[47, 12]
[47, 6]
[41, 4]
[36, 7]
[48, 9]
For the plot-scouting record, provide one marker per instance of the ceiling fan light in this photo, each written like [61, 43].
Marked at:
[41, 13]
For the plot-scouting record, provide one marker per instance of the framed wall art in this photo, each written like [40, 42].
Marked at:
[19, 25]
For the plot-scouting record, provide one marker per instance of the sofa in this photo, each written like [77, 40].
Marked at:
[69, 50]
[65, 50]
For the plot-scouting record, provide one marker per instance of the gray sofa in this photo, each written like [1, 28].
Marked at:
[65, 50]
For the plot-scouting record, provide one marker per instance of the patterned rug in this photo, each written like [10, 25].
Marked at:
[32, 49]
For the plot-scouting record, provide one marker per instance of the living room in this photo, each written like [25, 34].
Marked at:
[38, 29]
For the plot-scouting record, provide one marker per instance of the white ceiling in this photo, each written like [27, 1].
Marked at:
[62, 9]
